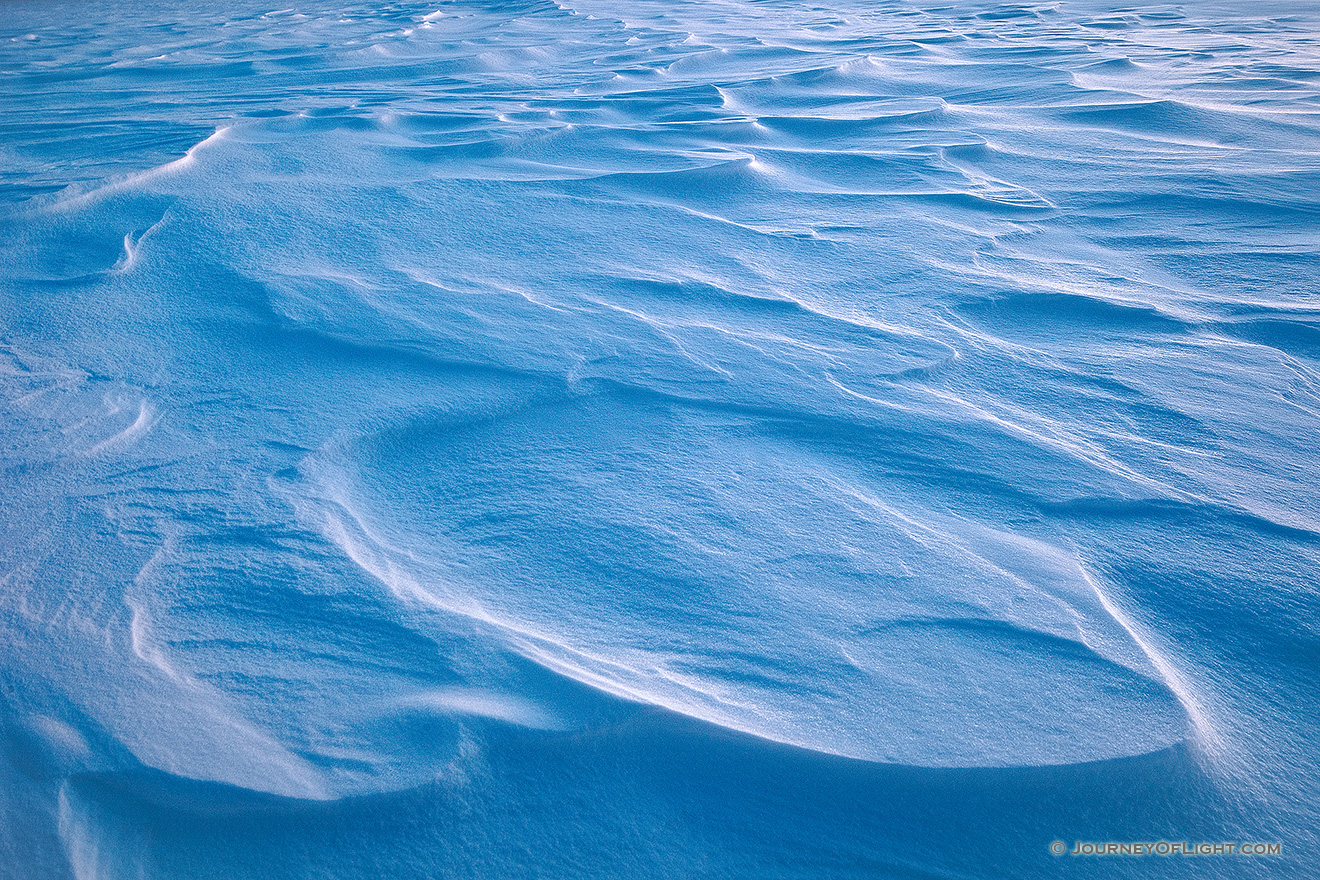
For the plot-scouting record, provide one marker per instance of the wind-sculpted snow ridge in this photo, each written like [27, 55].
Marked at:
[652, 439]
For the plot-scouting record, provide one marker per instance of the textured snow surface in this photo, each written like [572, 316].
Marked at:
[618, 438]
